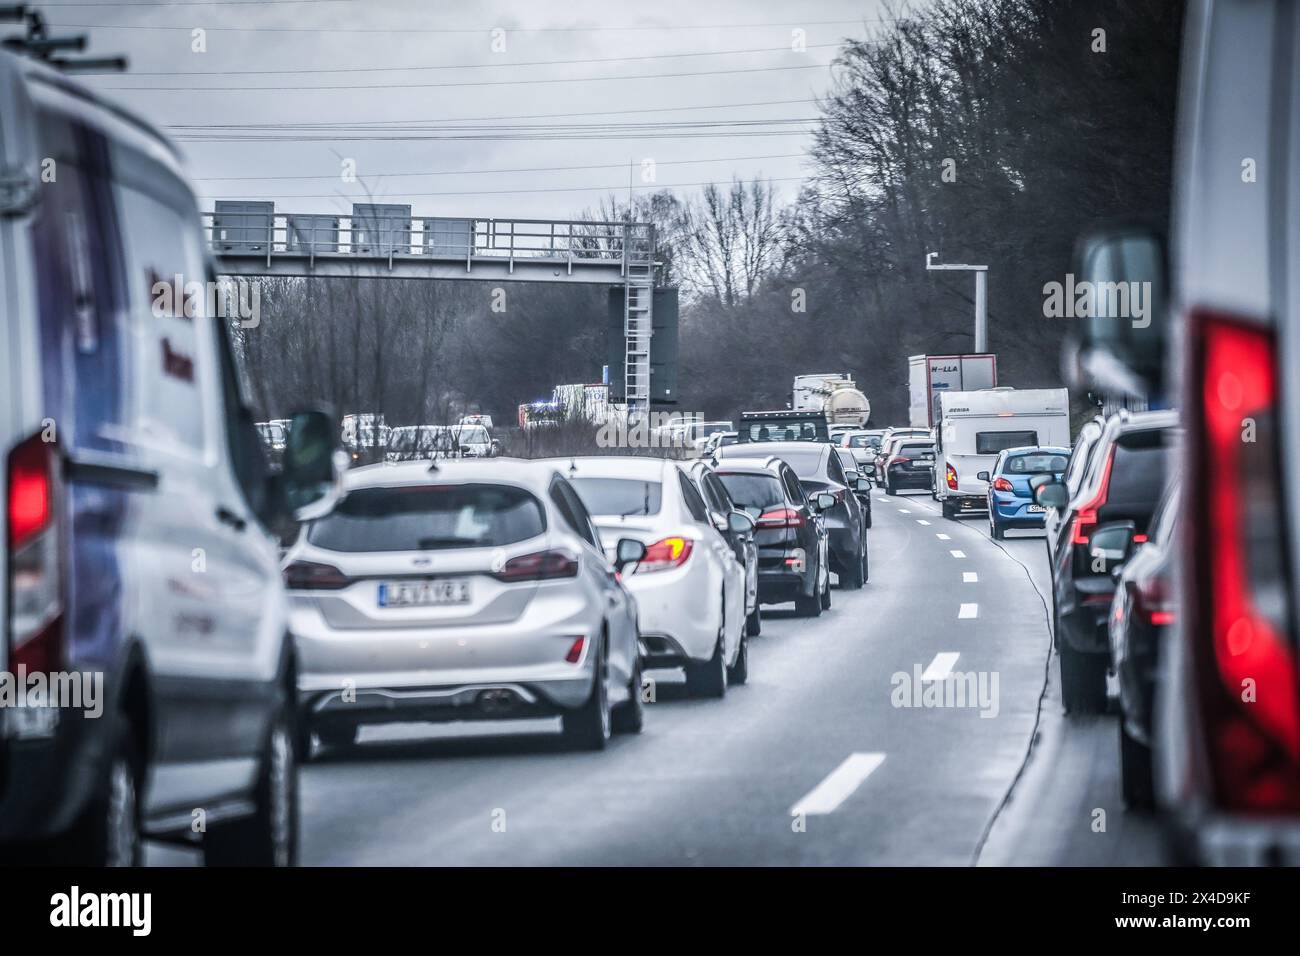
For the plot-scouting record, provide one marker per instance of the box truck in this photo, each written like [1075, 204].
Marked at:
[930, 375]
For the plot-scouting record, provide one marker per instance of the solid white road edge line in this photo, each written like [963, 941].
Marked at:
[838, 785]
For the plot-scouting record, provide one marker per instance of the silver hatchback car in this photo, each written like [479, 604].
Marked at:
[462, 591]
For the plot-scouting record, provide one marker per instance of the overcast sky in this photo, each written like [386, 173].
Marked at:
[340, 59]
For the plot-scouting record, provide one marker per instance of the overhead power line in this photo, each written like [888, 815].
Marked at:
[391, 86]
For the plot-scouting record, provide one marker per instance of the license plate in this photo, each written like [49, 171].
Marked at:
[424, 593]
[1035, 509]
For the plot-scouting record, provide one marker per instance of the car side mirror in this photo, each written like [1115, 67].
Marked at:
[862, 484]
[313, 465]
[1051, 494]
[823, 501]
[1120, 282]
[984, 476]
[1111, 544]
[628, 551]
[738, 522]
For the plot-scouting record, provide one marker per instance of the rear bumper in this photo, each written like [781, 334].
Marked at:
[678, 606]
[1225, 840]
[1013, 512]
[779, 586]
[45, 783]
[911, 479]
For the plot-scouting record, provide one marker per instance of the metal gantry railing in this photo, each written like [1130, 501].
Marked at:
[390, 234]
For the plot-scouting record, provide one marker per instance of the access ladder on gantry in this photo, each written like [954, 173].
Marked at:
[385, 241]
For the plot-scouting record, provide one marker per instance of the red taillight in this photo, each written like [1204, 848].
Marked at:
[35, 625]
[1085, 518]
[539, 566]
[1241, 578]
[1152, 600]
[780, 518]
[1001, 484]
[950, 476]
[312, 576]
[665, 554]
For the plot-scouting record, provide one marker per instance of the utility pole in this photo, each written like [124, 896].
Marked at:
[981, 295]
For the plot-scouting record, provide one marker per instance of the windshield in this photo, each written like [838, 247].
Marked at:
[618, 496]
[429, 518]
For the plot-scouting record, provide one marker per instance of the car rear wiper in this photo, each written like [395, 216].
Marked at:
[426, 544]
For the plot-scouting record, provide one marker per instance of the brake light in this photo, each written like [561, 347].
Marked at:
[35, 625]
[313, 576]
[539, 566]
[780, 518]
[1001, 484]
[1240, 575]
[665, 554]
[1085, 518]
[950, 476]
[1152, 600]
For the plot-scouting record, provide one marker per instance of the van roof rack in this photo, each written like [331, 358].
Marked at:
[39, 44]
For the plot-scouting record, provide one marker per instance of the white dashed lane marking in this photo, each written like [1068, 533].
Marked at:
[922, 521]
[968, 611]
[941, 666]
[969, 577]
[942, 537]
[958, 554]
[839, 784]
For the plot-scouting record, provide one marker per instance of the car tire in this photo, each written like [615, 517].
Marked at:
[1135, 775]
[996, 531]
[754, 623]
[826, 595]
[738, 672]
[867, 522]
[589, 726]
[629, 716]
[708, 678]
[889, 488]
[808, 606]
[269, 836]
[1083, 680]
[109, 832]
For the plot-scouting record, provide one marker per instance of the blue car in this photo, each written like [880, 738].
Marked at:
[1010, 499]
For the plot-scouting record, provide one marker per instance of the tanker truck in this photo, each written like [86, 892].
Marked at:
[833, 393]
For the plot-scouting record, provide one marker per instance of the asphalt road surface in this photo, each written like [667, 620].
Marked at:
[829, 755]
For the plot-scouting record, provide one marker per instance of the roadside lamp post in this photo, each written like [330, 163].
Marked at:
[981, 295]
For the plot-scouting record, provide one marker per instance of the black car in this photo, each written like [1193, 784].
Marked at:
[909, 467]
[1140, 614]
[793, 548]
[818, 466]
[716, 496]
[855, 470]
[1123, 482]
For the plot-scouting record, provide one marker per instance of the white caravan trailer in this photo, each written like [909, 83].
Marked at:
[973, 427]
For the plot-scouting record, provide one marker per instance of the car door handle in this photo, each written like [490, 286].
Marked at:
[226, 516]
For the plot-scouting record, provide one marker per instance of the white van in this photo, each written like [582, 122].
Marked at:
[136, 564]
[974, 426]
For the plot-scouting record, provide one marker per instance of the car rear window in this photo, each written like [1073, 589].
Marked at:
[806, 463]
[429, 518]
[1137, 476]
[619, 496]
[754, 493]
[990, 443]
[1036, 464]
[915, 451]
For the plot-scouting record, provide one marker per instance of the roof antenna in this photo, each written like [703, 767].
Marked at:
[573, 465]
[433, 463]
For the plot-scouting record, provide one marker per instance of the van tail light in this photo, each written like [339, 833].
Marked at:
[1085, 518]
[1240, 622]
[539, 566]
[665, 554]
[1001, 484]
[33, 502]
[950, 476]
[780, 518]
[312, 576]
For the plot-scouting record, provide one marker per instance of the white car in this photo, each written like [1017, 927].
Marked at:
[690, 589]
[463, 591]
